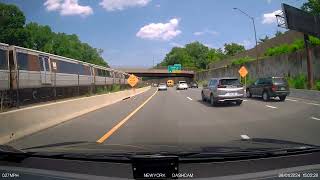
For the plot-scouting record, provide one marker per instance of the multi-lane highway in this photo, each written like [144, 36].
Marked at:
[180, 118]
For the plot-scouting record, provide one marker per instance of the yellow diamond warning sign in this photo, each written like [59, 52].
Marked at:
[243, 71]
[133, 80]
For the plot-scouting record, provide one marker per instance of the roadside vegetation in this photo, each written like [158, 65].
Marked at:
[15, 31]
[242, 60]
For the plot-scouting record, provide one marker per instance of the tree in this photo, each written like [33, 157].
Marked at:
[312, 6]
[278, 33]
[12, 21]
[34, 36]
[262, 40]
[194, 55]
[233, 49]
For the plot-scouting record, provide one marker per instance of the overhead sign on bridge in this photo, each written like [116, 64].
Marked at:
[176, 68]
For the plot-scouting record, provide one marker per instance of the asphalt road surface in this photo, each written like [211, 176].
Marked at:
[180, 118]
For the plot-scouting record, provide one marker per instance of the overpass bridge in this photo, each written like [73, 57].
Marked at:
[160, 75]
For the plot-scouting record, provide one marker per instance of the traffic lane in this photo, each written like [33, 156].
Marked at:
[290, 120]
[87, 127]
[169, 119]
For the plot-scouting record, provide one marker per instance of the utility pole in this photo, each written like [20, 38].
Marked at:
[309, 63]
[255, 37]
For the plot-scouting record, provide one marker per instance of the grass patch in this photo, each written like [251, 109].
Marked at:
[298, 82]
[243, 60]
[317, 86]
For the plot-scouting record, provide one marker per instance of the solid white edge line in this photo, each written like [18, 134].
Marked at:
[189, 98]
[314, 118]
[273, 107]
[293, 100]
[313, 104]
[243, 136]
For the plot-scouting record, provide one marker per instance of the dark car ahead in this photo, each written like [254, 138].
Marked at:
[269, 87]
[193, 85]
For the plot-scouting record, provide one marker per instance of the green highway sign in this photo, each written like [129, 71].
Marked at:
[174, 68]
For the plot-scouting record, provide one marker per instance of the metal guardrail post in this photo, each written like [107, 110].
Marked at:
[17, 91]
[55, 85]
[78, 88]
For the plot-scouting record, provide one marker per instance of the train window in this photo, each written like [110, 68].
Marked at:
[22, 60]
[108, 73]
[33, 63]
[67, 67]
[86, 70]
[3, 59]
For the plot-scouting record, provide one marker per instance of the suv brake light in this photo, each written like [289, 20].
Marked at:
[273, 88]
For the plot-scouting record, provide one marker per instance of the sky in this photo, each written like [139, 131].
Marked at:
[139, 33]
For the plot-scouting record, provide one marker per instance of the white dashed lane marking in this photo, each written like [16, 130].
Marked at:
[314, 118]
[273, 107]
[189, 98]
[315, 104]
[293, 100]
[244, 136]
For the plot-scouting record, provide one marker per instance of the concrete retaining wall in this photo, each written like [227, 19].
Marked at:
[283, 65]
[18, 123]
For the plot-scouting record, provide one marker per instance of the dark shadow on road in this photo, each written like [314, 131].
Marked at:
[220, 105]
[272, 100]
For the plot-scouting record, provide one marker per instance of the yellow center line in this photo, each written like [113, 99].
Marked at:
[116, 127]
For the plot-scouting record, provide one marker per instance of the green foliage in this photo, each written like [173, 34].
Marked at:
[193, 56]
[285, 48]
[243, 60]
[115, 88]
[12, 21]
[14, 31]
[298, 82]
[312, 6]
[233, 49]
[314, 41]
[318, 85]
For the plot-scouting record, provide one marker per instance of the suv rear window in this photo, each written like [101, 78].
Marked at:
[229, 82]
[182, 82]
[279, 80]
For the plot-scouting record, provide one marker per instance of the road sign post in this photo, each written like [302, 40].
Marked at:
[133, 80]
[243, 73]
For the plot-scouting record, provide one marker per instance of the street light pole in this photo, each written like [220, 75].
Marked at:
[255, 37]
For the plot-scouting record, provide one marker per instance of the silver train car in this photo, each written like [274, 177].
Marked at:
[27, 74]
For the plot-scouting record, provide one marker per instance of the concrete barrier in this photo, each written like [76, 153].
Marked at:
[18, 123]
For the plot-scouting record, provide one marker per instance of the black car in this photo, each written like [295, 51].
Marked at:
[193, 85]
[269, 87]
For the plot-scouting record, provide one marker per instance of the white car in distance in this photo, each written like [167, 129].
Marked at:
[162, 87]
[182, 85]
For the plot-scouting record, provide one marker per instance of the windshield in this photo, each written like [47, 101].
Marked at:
[229, 82]
[126, 76]
[279, 81]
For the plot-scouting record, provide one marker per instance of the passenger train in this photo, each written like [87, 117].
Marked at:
[27, 74]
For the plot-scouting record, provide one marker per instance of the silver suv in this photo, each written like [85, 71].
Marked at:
[228, 89]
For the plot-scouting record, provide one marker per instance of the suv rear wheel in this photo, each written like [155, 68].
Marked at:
[212, 102]
[282, 98]
[265, 96]
[239, 102]
[249, 95]
[202, 96]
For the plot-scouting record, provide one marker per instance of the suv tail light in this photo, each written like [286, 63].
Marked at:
[273, 88]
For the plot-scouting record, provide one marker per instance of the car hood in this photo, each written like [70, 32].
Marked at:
[256, 144]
